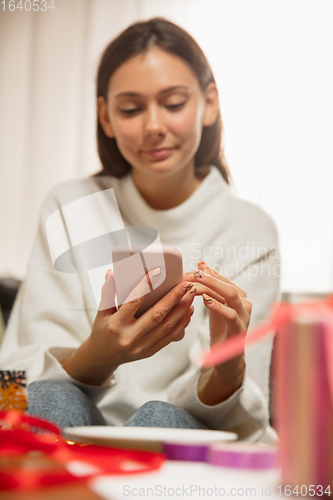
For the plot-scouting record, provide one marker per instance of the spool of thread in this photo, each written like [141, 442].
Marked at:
[304, 405]
[243, 456]
[185, 451]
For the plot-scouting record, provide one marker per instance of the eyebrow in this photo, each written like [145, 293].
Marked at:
[164, 91]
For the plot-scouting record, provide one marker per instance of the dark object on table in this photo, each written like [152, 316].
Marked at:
[8, 291]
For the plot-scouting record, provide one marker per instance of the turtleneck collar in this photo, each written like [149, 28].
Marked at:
[174, 223]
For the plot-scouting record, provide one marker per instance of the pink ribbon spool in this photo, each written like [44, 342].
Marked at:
[243, 456]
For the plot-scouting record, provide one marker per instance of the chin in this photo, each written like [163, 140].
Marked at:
[164, 172]
[158, 169]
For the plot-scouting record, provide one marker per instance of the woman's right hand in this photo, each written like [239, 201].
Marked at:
[117, 337]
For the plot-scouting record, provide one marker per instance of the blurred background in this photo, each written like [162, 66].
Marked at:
[273, 65]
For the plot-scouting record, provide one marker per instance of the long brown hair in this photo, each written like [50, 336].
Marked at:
[137, 38]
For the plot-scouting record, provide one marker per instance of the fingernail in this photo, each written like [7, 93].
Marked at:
[202, 263]
[191, 313]
[155, 272]
[107, 272]
[186, 288]
[206, 298]
[198, 274]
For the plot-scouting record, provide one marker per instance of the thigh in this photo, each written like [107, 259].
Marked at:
[162, 414]
[62, 403]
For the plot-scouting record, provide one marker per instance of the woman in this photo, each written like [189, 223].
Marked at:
[159, 134]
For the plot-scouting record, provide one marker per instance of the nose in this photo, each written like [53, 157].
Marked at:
[154, 123]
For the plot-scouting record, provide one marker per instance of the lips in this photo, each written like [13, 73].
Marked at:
[158, 153]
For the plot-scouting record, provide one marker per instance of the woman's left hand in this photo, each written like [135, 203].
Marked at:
[229, 313]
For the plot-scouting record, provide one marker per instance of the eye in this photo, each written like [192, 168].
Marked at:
[175, 106]
[129, 111]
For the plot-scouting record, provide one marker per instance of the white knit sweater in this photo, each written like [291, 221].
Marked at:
[54, 311]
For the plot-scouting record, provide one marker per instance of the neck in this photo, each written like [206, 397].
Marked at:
[163, 193]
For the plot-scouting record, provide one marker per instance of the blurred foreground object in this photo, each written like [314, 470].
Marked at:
[13, 394]
[304, 397]
[58, 461]
[303, 373]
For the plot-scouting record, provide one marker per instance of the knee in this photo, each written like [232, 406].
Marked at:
[63, 403]
[162, 414]
[150, 414]
[158, 407]
[54, 393]
[51, 398]
[156, 413]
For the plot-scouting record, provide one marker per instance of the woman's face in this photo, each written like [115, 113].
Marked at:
[156, 111]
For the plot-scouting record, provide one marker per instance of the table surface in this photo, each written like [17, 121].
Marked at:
[194, 480]
[70, 491]
[180, 475]
[64, 492]
[172, 474]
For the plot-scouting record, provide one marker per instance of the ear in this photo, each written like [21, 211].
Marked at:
[103, 116]
[212, 105]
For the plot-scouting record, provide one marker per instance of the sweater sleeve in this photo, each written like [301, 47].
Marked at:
[50, 318]
[246, 412]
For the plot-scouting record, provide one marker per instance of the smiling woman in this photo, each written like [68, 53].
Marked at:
[157, 125]
[181, 52]
[159, 136]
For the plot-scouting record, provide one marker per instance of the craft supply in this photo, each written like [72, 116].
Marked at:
[187, 452]
[281, 315]
[13, 394]
[243, 455]
[61, 457]
[146, 438]
[303, 389]
[304, 405]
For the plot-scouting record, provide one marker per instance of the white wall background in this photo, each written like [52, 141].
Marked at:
[273, 66]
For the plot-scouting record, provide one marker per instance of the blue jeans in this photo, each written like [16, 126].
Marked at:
[66, 405]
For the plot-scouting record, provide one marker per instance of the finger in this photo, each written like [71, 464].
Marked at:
[174, 336]
[156, 314]
[137, 296]
[229, 292]
[108, 294]
[247, 306]
[227, 313]
[204, 267]
[170, 321]
[216, 274]
[182, 324]
[201, 289]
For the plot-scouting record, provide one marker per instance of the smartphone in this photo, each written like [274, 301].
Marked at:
[131, 265]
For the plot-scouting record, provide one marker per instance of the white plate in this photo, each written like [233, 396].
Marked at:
[145, 437]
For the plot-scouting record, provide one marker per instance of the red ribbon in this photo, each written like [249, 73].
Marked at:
[16, 439]
[282, 314]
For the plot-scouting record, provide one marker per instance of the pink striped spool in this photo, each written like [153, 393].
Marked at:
[303, 402]
[243, 456]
